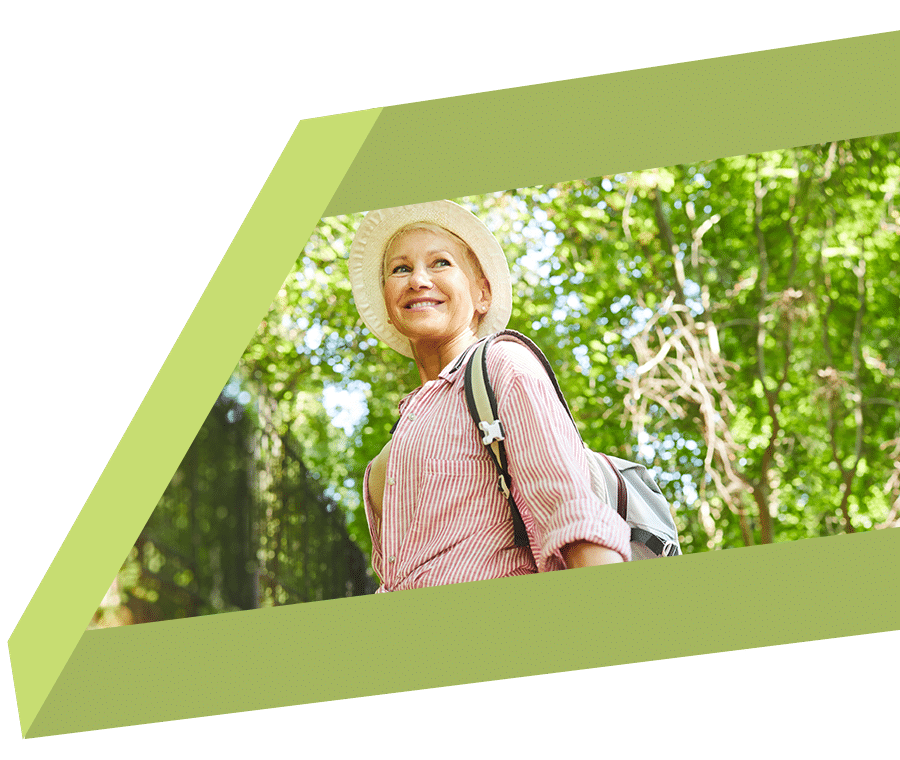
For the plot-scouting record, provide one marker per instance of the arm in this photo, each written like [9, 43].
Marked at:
[586, 554]
[549, 468]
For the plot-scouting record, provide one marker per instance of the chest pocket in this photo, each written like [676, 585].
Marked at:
[457, 498]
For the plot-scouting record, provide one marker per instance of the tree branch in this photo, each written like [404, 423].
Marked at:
[668, 238]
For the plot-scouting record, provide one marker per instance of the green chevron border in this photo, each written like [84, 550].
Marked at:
[71, 680]
[737, 599]
[266, 246]
[633, 120]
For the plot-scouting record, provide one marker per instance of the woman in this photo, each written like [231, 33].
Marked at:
[430, 280]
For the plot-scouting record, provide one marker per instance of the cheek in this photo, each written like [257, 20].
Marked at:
[387, 295]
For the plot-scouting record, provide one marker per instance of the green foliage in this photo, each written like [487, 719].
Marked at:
[733, 323]
[760, 280]
[243, 524]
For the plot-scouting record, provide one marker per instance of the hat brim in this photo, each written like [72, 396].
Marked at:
[367, 259]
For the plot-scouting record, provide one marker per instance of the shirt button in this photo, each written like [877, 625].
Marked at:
[412, 417]
[391, 558]
[390, 481]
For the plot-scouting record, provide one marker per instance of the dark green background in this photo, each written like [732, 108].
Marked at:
[137, 139]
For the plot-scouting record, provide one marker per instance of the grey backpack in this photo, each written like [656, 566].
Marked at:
[627, 485]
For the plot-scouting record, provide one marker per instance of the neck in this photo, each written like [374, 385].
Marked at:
[432, 357]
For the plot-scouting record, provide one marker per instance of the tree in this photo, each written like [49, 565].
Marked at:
[733, 323]
[723, 321]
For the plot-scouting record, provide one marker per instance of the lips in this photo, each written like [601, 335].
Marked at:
[422, 303]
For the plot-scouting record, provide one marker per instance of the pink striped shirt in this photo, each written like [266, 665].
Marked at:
[443, 518]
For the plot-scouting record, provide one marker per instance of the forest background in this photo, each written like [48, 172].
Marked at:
[733, 324]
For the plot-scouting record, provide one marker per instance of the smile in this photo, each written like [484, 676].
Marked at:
[422, 304]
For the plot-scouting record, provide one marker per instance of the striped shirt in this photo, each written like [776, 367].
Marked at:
[443, 518]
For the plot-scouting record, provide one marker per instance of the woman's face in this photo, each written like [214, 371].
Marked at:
[431, 289]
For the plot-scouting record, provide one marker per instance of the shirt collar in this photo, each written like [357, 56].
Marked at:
[448, 374]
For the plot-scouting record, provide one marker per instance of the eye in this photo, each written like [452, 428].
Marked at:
[442, 263]
[400, 269]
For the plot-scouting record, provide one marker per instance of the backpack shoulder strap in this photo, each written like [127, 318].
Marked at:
[482, 404]
[545, 363]
[480, 394]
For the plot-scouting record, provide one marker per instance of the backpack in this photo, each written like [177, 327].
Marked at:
[637, 497]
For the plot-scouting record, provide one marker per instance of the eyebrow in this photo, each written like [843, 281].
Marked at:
[388, 263]
[430, 252]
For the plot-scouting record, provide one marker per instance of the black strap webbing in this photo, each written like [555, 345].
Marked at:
[621, 491]
[653, 543]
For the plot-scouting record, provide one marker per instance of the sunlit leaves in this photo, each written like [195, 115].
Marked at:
[764, 250]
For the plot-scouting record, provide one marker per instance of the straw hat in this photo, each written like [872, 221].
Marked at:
[367, 260]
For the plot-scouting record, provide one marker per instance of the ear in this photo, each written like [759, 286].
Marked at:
[484, 297]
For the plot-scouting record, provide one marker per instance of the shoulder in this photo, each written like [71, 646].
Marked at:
[510, 359]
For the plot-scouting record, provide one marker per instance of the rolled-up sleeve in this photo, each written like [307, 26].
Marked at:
[548, 464]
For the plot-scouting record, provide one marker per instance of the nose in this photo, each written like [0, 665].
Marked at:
[419, 278]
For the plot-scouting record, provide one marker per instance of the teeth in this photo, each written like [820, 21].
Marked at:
[422, 304]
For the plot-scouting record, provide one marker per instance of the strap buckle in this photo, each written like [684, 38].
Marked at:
[670, 549]
[493, 431]
[661, 547]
